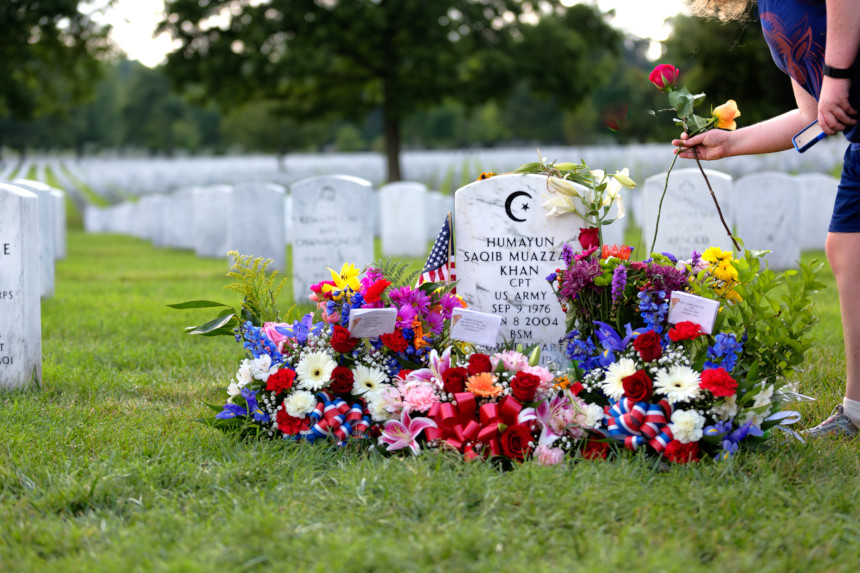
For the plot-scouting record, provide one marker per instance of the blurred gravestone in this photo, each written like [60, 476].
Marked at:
[331, 226]
[257, 222]
[403, 216]
[47, 228]
[20, 304]
[211, 220]
[768, 216]
[817, 196]
[689, 220]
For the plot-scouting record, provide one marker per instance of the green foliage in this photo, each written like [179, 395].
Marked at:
[257, 287]
[398, 272]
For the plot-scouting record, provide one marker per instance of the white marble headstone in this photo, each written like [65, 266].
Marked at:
[46, 234]
[768, 216]
[257, 222]
[211, 220]
[59, 223]
[506, 246]
[817, 196]
[20, 302]
[689, 220]
[331, 226]
[179, 219]
[403, 217]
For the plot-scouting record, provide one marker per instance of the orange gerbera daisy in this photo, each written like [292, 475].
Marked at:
[619, 251]
[483, 385]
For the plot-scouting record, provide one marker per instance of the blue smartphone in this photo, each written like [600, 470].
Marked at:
[808, 136]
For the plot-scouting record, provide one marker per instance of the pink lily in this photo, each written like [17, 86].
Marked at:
[438, 365]
[554, 416]
[398, 434]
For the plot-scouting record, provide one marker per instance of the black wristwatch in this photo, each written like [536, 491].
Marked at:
[838, 73]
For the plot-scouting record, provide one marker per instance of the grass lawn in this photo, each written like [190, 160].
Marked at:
[104, 469]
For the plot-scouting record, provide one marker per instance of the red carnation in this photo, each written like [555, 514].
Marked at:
[595, 450]
[290, 425]
[341, 380]
[685, 331]
[637, 386]
[648, 346]
[718, 382]
[479, 363]
[454, 380]
[682, 453]
[576, 388]
[341, 341]
[589, 238]
[395, 341]
[524, 386]
[281, 381]
[515, 442]
[375, 291]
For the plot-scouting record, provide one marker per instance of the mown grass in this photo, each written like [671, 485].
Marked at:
[104, 468]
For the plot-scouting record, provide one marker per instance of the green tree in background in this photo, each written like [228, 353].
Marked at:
[48, 52]
[344, 58]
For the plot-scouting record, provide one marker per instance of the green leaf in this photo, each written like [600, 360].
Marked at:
[213, 325]
[197, 304]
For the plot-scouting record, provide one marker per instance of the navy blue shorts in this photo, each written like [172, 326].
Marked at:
[846, 210]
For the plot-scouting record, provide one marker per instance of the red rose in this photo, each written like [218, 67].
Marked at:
[594, 450]
[479, 363]
[589, 238]
[648, 346]
[454, 380]
[341, 380]
[524, 386]
[403, 373]
[341, 341]
[375, 291]
[718, 382]
[664, 77]
[685, 331]
[281, 381]
[291, 425]
[515, 442]
[637, 386]
[576, 388]
[682, 453]
[395, 341]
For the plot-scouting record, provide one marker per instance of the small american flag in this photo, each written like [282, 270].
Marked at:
[440, 267]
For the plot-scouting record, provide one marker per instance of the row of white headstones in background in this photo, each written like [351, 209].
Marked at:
[330, 218]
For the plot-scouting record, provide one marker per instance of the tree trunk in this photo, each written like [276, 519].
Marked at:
[392, 147]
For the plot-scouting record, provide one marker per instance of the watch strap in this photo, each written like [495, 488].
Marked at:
[837, 73]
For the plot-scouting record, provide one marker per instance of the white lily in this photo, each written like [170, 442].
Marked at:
[559, 205]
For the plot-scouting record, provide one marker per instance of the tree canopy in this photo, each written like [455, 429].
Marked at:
[326, 58]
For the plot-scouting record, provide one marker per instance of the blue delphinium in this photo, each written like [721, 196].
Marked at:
[724, 352]
[258, 344]
[653, 313]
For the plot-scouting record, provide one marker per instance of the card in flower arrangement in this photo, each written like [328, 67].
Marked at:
[372, 322]
[475, 327]
[685, 307]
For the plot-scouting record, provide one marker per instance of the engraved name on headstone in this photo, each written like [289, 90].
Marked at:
[506, 246]
[20, 303]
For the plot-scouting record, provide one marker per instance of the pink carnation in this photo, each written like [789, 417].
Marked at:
[547, 456]
[418, 396]
[514, 361]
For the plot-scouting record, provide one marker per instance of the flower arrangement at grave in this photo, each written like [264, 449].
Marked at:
[311, 379]
[682, 389]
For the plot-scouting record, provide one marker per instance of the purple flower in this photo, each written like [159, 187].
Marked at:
[567, 253]
[580, 276]
[666, 278]
[401, 296]
[619, 281]
[436, 322]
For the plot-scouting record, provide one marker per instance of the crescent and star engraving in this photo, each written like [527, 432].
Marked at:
[510, 201]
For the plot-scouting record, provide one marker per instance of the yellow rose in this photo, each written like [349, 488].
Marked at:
[726, 114]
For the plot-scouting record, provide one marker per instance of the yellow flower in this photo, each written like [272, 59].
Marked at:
[486, 175]
[483, 385]
[725, 271]
[715, 255]
[726, 114]
[347, 278]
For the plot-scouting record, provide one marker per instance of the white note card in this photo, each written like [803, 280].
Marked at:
[475, 327]
[371, 322]
[689, 307]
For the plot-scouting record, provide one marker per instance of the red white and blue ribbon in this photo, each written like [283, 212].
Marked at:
[334, 418]
[640, 423]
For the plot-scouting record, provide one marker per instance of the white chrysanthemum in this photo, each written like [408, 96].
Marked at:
[763, 398]
[687, 426]
[300, 403]
[594, 415]
[314, 371]
[262, 368]
[244, 375]
[678, 384]
[727, 409]
[613, 383]
[367, 379]
[376, 408]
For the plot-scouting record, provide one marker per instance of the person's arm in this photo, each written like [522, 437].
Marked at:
[843, 40]
[766, 137]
